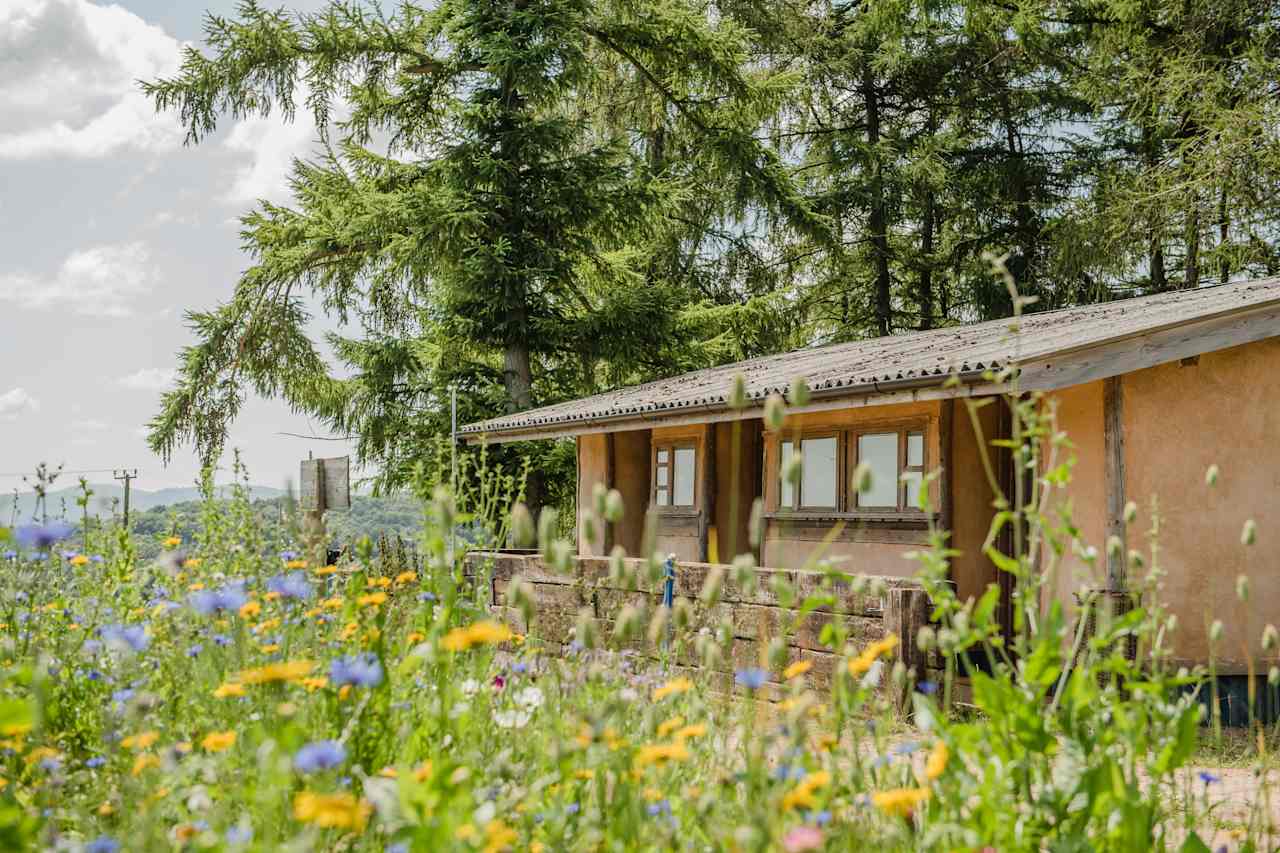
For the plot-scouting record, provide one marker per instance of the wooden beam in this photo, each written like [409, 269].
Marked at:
[707, 514]
[1113, 450]
[946, 428]
[609, 483]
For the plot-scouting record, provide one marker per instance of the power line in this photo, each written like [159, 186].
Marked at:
[64, 471]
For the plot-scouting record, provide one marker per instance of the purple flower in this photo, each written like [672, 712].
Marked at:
[291, 585]
[320, 755]
[927, 687]
[133, 636]
[95, 762]
[42, 536]
[752, 678]
[362, 670]
[207, 602]
[288, 555]
[237, 835]
[194, 651]
[1208, 778]
[102, 844]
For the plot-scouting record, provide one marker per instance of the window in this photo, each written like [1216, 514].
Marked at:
[674, 469]
[895, 457]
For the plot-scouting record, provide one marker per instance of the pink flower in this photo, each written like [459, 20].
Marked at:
[499, 682]
[802, 838]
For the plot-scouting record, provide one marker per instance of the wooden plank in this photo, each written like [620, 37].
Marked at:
[707, 512]
[946, 429]
[1113, 444]
[609, 482]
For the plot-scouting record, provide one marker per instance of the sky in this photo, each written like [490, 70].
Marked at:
[111, 228]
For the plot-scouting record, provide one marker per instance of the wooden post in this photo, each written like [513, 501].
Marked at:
[610, 478]
[1113, 442]
[708, 515]
[946, 426]
[906, 611]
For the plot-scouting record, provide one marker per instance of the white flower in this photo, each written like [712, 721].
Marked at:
[469, 687]
[512, 719]
[529, 699]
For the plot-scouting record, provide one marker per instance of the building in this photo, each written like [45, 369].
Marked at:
[1152, 391]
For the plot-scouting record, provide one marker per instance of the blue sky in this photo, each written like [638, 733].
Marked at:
[110, 229]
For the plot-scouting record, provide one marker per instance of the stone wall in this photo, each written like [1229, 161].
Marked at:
[757, 616]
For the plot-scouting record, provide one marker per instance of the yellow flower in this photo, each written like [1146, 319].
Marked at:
[344, 691]
[487, 632]
[323, 571]
[937, 760]
[218, 741]
[670, 726]
[584, 773]
[797, 669]
[315, 682]
[182, 747]
[272, 596]
[40, 753]
[173, 542]
[79, 560]
[296, 564]
[373, 599]
[695, 730]
[498, 836]
[184, 832]
[106, 809]
[466, 832]
[651, 794]
[332, 604]
[389, 773]
[270, 648]
[381, 583]
[406, 577]
[415, 637]
[802, 795]
[862, 662]
[900, 802]
[15, 729]
[192, 562]
[672, 687]
[229, 689]
[537, 847]
[142, 762]
[423, 771]
[349, 630]
[661, 753]
[140, 741]
[337, 811]
[196, 587]
[294, 670]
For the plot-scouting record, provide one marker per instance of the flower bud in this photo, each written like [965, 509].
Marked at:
[1270, 638]
[562, 556]
[1130, 512]
[755, 526]
[1115, 547]
[862, 478]
[712, 585]
[1250, 532]
[586, 631]
[776, 653]
[925, 638]
[658, 625]
[598, 493]
[523, 532]
[1215, 631]
[682, 613]
[618, 566]
[1211, 476]
[548, 524]
[799, 392]
[775, 412]
[613, 506]
[590, 527]
[1242, 587]
[627, 624]
[744, 572]
[738, 392]
[1273, 676]
[520, 597]
[791, 473]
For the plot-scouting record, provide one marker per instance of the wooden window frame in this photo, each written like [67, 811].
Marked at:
[902, 429]
[797, 505]
[671, 446]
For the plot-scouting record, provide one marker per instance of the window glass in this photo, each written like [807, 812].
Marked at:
[787, 497]
[818, 478]
[915, 449]
[662, 474]
[683, 477]
[880, 452]
[664, 497]
[912, 480]
[662, 456]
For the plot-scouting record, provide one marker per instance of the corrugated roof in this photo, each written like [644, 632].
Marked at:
[861, 367]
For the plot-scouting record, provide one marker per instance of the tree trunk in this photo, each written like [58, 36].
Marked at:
[926, 264]
[1191, 271]
[1224, 235]
[1155, 226]
[877, 221]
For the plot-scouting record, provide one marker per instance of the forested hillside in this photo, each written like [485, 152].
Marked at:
[536, 202]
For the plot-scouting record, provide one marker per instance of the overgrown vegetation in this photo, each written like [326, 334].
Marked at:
[233, 697]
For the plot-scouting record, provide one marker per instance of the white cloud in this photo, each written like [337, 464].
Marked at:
[149, 379]
[101, 281]
[68, 80]
[15, 402]
[271, 144]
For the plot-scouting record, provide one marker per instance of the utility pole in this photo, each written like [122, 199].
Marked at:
[127, 476]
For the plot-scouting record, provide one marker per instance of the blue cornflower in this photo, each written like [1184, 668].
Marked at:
[398, 847]
[42, 536]
[821, 818]
[572, 808]
[133, 636]
[122, 696]
[520, 666]
[362, 670]
[427, 596]
[95, 762]
[50, 764]
[102, 844]
[97, 558]
[752, 678]
[290, 585]
[1208, 778]
[288, 555]
[927, 687]
[11, 554]
[240, 834]
[70, 555]
[194, 651]
[905, 748]
[221, 640]
[320, 755]
[659, 808]
[207, 602]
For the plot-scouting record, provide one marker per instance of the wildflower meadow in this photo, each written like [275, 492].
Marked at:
[244, 694]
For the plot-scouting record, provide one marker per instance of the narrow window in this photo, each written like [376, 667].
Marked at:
[819, 473]
[674, 473]
[879, 452]
[913, 470]
[787, 492]
[685, 462]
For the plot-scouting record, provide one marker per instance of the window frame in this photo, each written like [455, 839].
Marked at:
[847, 462]
[671, 446]
[797, 504]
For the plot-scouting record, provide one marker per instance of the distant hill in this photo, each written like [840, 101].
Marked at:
[104, 494]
